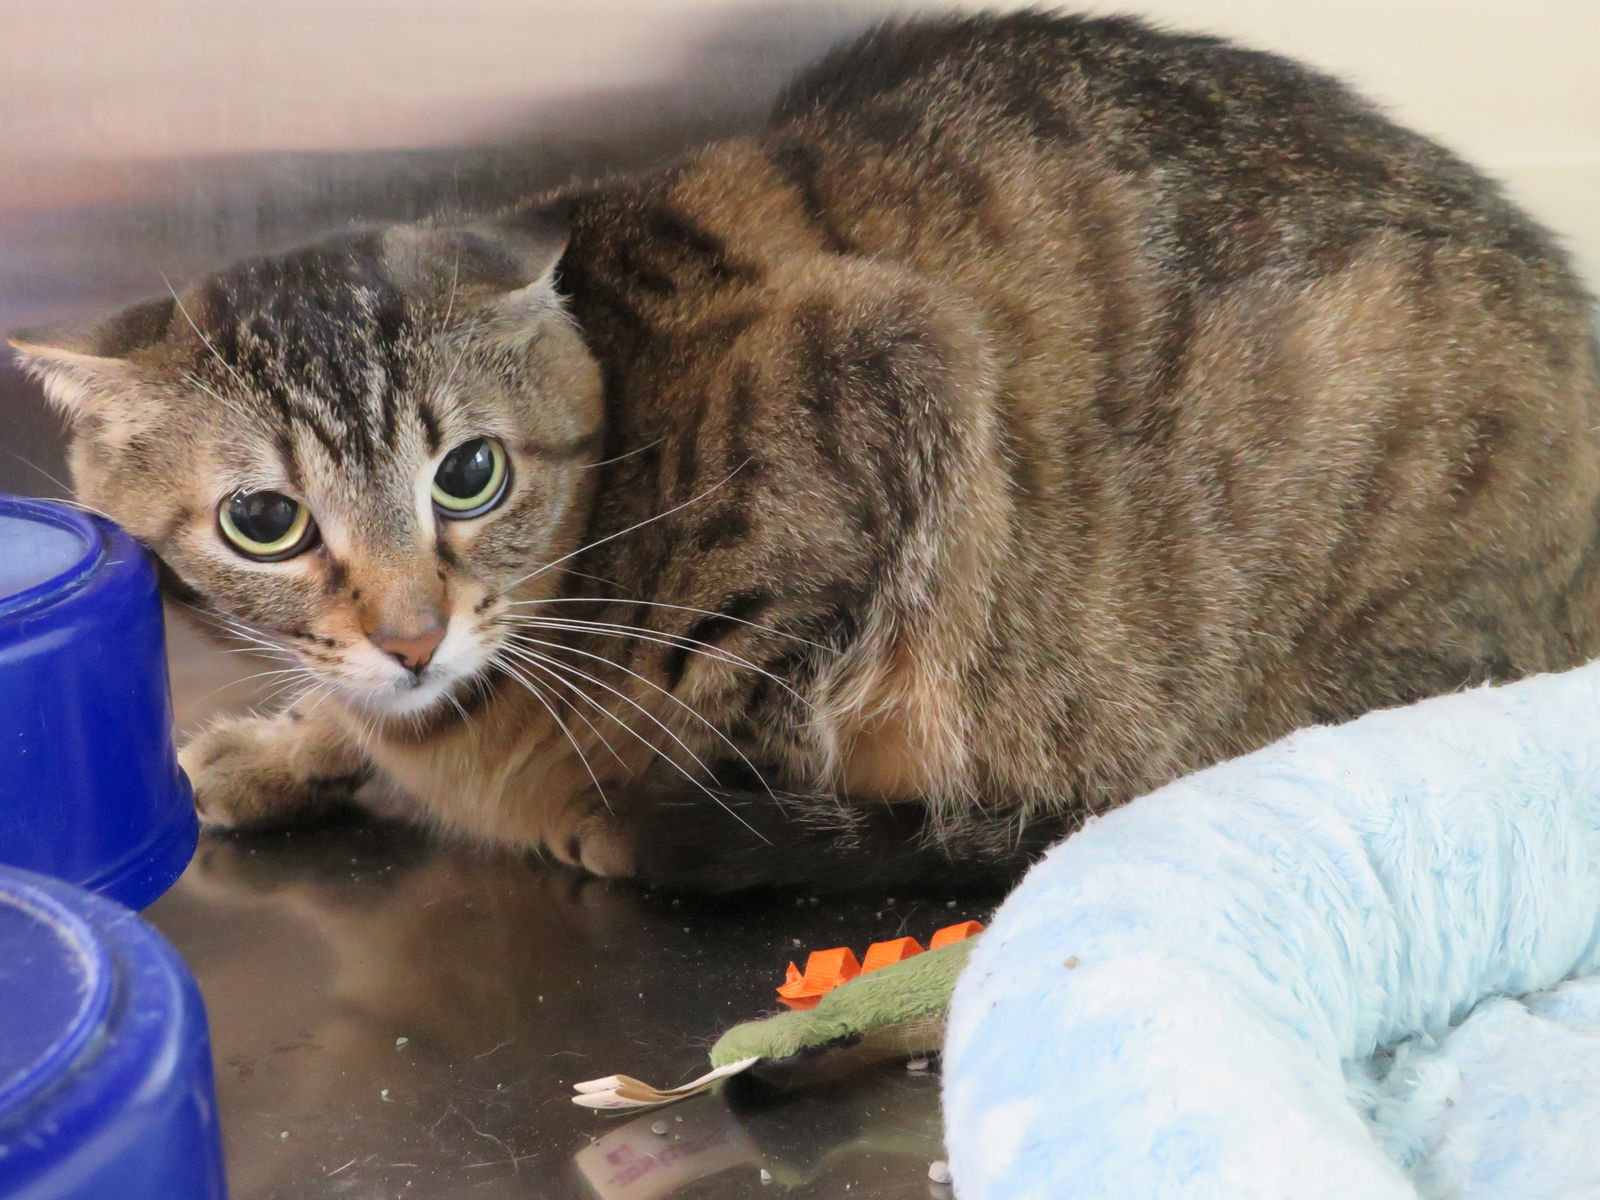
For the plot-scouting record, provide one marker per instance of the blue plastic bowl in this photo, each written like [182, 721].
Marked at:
[106, 1090]
[90, 789]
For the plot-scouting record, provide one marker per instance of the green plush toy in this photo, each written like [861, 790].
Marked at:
[896, 1011]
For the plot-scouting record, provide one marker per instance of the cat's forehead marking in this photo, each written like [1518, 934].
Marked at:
[323, 338]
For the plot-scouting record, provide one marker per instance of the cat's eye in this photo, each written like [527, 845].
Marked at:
[471, 480]
[266, 526]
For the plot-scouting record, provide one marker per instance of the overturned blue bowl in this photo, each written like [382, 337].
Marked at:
[106, 1090]
[90, 789]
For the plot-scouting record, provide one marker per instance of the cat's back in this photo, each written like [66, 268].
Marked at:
[1296, 411]
[1226, 155]
[1316, 394]
[1021, 156]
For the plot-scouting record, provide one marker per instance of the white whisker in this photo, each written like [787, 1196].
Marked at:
[327, 690]
[550, 666]
[594, 704]
[657, 637]
[523, 639]
[215, 353]
[195, 381]
[514, 646]
[300, 672]
[466, 717]
[606, 462]
[465, 341]
[583, 758]
[611, 537]
[258, 642]
[678, 607]
[70, 503]
[600, 737]
[522, 652]
[261, 706]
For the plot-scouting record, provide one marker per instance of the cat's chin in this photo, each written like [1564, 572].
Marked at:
[407, 700]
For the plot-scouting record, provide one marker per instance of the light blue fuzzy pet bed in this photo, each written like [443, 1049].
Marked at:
[1286, 976]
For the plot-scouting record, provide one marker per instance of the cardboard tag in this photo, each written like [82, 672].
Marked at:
[624, 1091]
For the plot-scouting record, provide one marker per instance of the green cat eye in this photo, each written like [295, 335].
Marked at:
[471, 480]
[266, 526]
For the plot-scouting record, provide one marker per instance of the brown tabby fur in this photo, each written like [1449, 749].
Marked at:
[1046, 406]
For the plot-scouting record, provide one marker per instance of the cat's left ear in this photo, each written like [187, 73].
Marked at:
[82, 364]
[504, 267]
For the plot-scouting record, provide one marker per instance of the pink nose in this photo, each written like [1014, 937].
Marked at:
[413, 651]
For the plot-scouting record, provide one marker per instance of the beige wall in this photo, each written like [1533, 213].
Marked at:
[1512, 86]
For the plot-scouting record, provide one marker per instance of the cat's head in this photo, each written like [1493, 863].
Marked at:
[360, 450]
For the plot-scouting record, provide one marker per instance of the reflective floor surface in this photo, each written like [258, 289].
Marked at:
[393, 1018]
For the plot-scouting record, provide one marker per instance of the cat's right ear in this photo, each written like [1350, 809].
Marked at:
[80, 364]
[505, 264]
[494, 255]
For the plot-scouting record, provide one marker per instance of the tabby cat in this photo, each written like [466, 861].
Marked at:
[1039, 408]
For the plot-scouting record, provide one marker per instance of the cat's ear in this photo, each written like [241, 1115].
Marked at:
[505, 265]
[80, 364]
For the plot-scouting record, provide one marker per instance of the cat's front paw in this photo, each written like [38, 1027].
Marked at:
[254, 773]
[685, 842]
[599, 843]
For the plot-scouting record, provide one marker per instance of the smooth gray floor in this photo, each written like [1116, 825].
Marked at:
[392, 1018]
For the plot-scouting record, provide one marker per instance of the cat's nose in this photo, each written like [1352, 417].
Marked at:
[412, 650]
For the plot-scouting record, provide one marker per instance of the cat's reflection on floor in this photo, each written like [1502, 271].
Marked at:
[404, 1018]
[368, 991]
[665, 1152]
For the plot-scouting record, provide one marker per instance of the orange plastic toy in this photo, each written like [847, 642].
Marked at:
[955, 933]
[881, 954]
[827, 969]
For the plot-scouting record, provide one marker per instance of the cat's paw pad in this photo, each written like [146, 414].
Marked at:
[599, 844]
[237, 783]
[672, 843]
[243, 779]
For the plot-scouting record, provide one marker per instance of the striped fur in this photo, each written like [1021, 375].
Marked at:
[1038, 409]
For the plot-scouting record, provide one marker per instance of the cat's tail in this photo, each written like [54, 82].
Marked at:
[822, 845]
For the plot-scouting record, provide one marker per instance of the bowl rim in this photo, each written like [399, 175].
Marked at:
[64, 935]
[52, 512]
